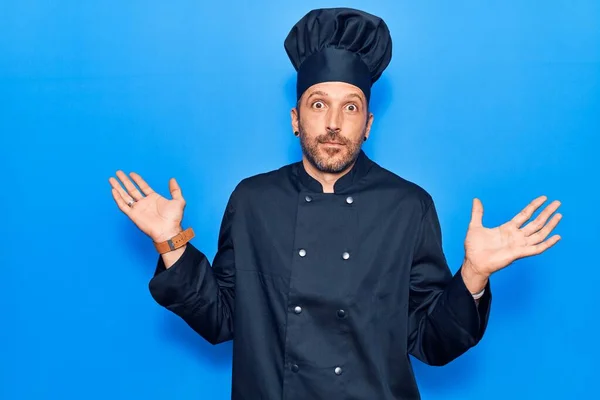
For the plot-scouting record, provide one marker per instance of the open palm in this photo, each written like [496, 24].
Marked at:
[491, 249]
[158, 217]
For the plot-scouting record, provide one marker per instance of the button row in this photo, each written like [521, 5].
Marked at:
[336, 370]
[340, 313]
[349, 199]
[302, 253]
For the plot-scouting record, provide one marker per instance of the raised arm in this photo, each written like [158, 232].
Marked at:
[184, 281]
[201, 294]
[444, 319]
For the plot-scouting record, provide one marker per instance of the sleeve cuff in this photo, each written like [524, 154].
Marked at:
[477, 296]
[167, 284]
[189, 252]
[468, 314]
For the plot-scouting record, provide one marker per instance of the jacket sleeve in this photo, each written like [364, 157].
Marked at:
[203, 296]
[444, 319]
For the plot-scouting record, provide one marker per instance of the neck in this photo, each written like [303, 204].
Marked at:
[326, 179]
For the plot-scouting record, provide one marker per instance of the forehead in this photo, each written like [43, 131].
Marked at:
[334, 90]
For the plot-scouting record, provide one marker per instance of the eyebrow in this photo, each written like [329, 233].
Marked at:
[317, 92]
[321, 93]
[354, 95]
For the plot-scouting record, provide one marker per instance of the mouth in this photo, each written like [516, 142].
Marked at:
[332, 143]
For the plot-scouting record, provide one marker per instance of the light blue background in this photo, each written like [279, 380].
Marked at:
[495, 99]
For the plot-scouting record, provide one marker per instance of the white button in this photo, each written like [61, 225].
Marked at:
[337, 370]
[308, 198]
[302, 252]
[298, 309]
[349, 200]
[345, 255]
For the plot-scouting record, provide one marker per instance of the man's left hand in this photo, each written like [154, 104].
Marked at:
[488, 250]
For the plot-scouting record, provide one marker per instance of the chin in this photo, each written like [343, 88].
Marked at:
[328, 159]
[333, 161]
[334, 153]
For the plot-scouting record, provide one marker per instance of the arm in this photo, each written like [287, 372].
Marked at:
[444, 319]
[203, 296]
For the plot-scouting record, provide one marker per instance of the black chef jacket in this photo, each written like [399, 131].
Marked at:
[325, 295]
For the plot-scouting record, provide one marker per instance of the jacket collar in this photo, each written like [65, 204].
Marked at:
[344, 183]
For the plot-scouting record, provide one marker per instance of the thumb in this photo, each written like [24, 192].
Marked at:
[175, 189]
[477, 213]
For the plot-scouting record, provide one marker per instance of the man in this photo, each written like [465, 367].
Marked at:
[330, 271]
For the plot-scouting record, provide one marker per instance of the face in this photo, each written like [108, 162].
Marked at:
[333, 120]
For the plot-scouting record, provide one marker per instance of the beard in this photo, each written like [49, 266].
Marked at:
[329, 160]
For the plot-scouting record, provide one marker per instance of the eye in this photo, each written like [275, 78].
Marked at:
[352, 107]
[318, 104]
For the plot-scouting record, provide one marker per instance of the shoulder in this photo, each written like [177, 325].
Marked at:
[400, 188]
[268, 183]
[264, 181]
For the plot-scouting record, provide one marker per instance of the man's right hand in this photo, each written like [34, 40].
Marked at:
[156, 216]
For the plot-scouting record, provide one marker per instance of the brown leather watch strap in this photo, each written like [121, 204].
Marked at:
[175, 242]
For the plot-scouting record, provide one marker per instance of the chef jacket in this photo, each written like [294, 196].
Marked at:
[325, 295]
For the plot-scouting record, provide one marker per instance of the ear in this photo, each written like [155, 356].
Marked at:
[370, 119]
[294, 117]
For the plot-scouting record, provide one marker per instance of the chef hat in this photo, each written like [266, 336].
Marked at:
[339, 44]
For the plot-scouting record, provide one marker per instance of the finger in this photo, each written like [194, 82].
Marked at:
[120, 202]
[175, 189]
[540, 248]
[124, 195]
[545, 231]
[131, 189]
[476, 213]
[528, 211]
[144, 187]
[541, 219]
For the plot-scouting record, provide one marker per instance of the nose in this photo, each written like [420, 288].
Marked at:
[334, 119]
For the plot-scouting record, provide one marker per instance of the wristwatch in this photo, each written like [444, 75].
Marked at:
[175, 242]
